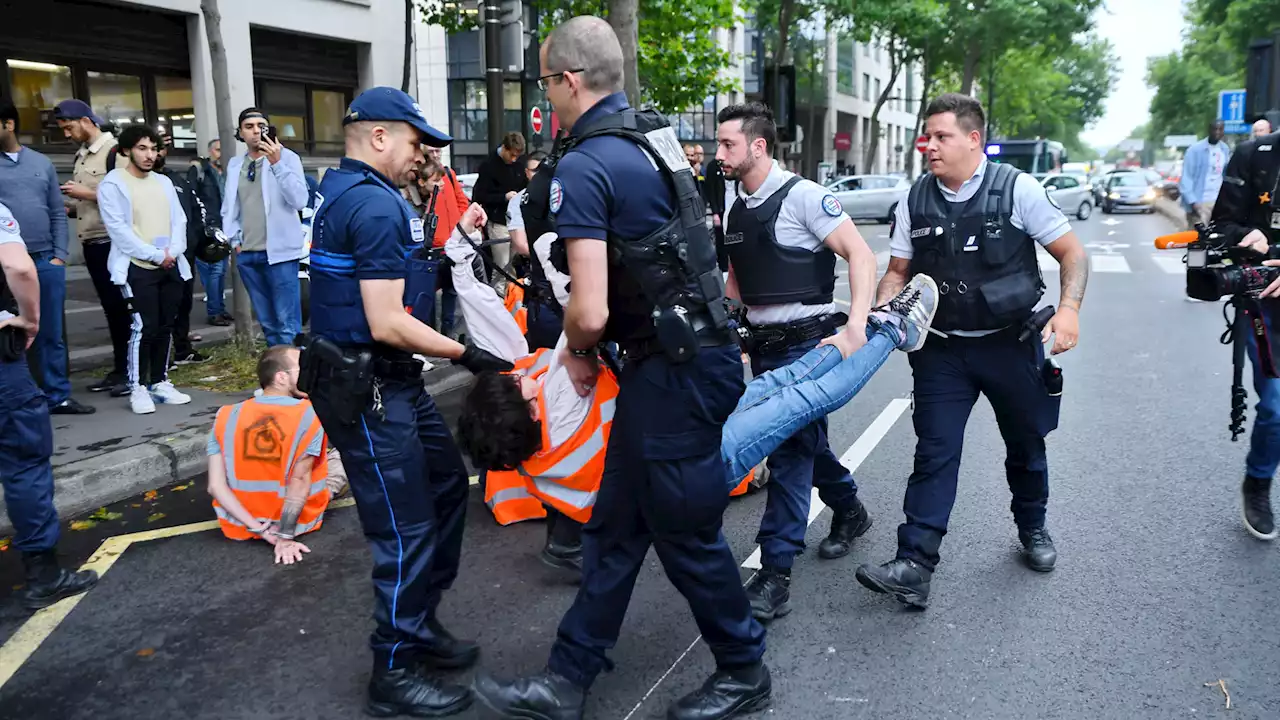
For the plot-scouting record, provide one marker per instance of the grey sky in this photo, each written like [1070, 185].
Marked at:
[1137, 29]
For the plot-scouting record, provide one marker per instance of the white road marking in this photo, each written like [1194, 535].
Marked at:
[1111, 221]
[851, 459]
[841, 301]
[1109, 264]
[1171, 264]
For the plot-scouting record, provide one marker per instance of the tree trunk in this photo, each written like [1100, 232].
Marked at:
[812, 145]
[240, 308]
[895, 67]
[926, 79]
[971, 58]
[408, 47]
[624, 17]
[785, 12]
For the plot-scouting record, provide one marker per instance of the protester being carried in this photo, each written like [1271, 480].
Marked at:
[269, 473]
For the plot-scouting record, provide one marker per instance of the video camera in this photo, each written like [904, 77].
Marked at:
[1217, 268]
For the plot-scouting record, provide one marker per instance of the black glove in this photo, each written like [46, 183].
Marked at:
[478, 360]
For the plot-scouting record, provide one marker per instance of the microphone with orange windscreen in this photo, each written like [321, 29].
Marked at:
[1176, 241]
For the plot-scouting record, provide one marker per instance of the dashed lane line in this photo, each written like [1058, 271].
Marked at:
[851, 459]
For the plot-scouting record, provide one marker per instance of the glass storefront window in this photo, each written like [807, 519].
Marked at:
[286, 103]
[116, 98]
[177, 111]
[328, 107]
[36, 87]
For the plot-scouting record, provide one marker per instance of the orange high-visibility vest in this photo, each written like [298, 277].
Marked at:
[514, 302]
[260, 444]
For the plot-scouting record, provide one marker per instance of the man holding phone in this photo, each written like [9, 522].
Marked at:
[265, 192]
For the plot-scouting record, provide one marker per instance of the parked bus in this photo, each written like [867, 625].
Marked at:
[1038, 157]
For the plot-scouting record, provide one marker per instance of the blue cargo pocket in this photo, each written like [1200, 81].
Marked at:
[420, 289]
[688, 488]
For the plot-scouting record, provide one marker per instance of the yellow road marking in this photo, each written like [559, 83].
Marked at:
[23, 643]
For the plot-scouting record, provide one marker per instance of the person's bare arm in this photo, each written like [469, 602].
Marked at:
[847, 242]
[226, 497]
[588, 310]
[895, 278]
[731, 290]
[1073, 273]
[24, 283]
[519, 242]
[389, 324]
[297, 488]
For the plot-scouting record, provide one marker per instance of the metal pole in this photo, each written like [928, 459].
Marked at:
[493, 69]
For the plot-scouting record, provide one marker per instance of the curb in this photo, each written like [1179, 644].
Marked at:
[101, 356]
[110, 477]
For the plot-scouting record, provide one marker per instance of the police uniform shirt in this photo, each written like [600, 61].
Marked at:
[515, 216]
[1033, 213]
[808, 215]
[9, 230]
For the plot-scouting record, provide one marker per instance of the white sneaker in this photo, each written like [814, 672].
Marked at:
[916, 305]
[166, 394]
[140, 400]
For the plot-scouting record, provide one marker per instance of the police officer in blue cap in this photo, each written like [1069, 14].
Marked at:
[643, 269]
[406, 474]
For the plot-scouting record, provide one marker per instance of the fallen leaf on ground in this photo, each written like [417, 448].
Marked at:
[211, 378]
[4, 544]
[83, 524]
[180, 488]
[150, 495]
[155, 517]
[136, 505]
[1221, 685]
[146, 652]
[102, 514]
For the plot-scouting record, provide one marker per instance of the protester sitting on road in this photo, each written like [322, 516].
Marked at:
[268, 465]
[535, 423]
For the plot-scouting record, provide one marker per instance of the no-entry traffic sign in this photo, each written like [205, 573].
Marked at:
[922, 143]
[535, 120]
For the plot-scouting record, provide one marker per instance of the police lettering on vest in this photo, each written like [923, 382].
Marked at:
[663, 282]
[979, 244]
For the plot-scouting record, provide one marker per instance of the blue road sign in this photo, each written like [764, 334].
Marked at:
[1231, 111]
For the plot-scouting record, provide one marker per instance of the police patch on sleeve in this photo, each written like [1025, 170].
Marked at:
[557, 195]
[1051, 200]
[831, 206]
[8, 224]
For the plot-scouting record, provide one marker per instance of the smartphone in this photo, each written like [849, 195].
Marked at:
[270, 133]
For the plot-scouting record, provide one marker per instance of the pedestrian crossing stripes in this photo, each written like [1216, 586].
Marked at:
[1169, 263]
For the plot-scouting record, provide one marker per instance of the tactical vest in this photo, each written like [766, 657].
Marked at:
[767, 272]
[337, 309]
[986, 268]
[538, 221]
[674, 267]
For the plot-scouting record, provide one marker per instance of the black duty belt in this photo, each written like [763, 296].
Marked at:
[397, 368]
[708, 336]
[779, 337]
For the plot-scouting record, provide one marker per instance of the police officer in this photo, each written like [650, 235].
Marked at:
[973, 226]
[643, 272]
[1248, 213]
[26, 434]
[783, 234]
[406, 474]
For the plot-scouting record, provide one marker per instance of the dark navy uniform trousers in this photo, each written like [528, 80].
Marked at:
[410, 487]
[26, 444]
[949, 374]
[664, 485]
[803, 462]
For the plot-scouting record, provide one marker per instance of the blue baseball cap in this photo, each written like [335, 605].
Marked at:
[392, 105]
[74, 110]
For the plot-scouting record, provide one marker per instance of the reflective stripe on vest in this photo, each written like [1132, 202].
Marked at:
[514, 302]
[254, 439]
[508, 498]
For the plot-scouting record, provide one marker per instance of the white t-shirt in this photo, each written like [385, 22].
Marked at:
[805, 220]
[1218, 157]
[515, 217]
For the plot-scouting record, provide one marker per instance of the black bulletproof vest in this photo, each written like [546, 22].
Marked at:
[767, 272]
[985, 268]
[538, 221]
[675, 265]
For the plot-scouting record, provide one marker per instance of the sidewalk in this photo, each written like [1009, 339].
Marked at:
[113, 454]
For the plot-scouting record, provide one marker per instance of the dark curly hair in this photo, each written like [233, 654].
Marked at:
[495, 427]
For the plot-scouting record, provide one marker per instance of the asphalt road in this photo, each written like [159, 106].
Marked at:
[1158, 589]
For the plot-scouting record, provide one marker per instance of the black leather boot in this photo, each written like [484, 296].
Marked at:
[1038, 550]
[563, 550]
[448, 653]
[770, 593]
[845, 527]
[726, 694]
[405, 691]
[1258, 519]
[48, 582]
[547, 696]
[906, 580]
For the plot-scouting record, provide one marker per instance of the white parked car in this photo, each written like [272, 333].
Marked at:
[870, 197]
[1071, 193]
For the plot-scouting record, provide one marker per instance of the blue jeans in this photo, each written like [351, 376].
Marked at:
[275, 294]
[781, 402]
[48, 356]
[26, 444]
[1264, 442]
[212, 277]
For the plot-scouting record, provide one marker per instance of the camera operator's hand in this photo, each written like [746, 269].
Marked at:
[1256, 240]
[1064, 326]
[1273, 290]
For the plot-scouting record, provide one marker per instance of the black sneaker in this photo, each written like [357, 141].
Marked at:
[402, 691]
[547, 696]
[448, 652]
[220, 321]
[190, 358]
[106, 383]
[906, 580]
[726, 694]
[71, 407]
[1038, 550]
[770, 593]
[1258, 519]
[121, 390]
[845, 527]
[48, 582]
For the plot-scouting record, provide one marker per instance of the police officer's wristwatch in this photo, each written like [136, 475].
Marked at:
[586, 353]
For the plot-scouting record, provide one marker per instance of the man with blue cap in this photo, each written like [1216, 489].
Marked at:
[407, 476]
